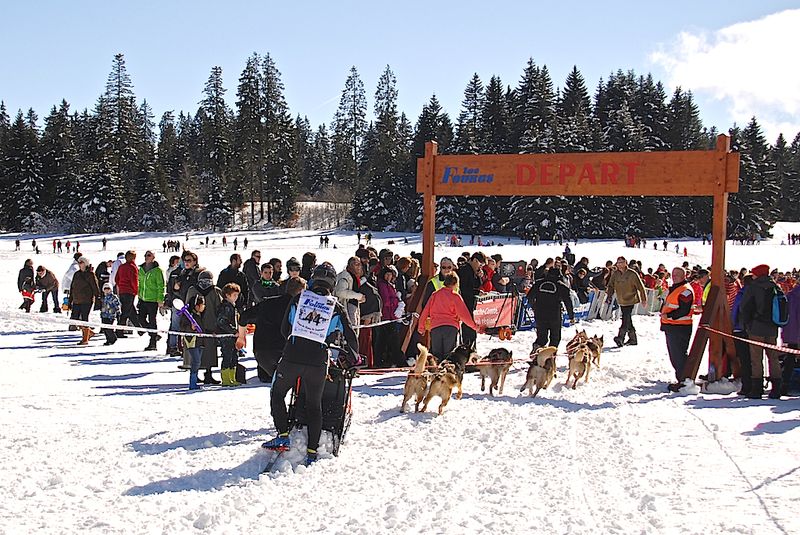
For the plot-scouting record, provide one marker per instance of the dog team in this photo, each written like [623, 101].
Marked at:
[430, 378]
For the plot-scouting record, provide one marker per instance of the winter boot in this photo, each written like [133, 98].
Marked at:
[747, 384]
[186, 363]
[85, 338]
[152, 345]
[226, 381]
[632, 341]
[208, 379]
[311, 457]
[229, 377]
[756, 388]
[775, 391]
[789, 363]
[193, 381]
[620, 338]
[279, 443]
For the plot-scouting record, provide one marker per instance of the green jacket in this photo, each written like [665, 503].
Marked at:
[151, 284]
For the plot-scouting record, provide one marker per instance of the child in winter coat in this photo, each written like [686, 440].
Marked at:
[228, 323]
[193, 344]
[109, 310]
[28, 294]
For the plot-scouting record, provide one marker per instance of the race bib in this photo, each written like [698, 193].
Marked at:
[313, 316]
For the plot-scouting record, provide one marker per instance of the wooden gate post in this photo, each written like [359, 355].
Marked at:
[425, 168]
[716, 313]
[428, 209]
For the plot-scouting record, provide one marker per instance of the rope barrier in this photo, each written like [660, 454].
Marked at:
[406, 320]
[782, 349]
[78, 323]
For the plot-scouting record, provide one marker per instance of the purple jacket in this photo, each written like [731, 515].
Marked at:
[791, 331]
[390, 300]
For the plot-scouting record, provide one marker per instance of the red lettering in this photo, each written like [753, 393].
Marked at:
[608, 173]
[521, 174]
[565, 170]
[587, 173]
[545, 174]
[631, 167]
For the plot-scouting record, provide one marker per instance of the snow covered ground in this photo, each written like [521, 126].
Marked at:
[96, 440]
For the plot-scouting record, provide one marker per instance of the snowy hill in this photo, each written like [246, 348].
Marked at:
[101, 440]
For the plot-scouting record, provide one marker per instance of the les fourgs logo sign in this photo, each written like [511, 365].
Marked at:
[550, 174]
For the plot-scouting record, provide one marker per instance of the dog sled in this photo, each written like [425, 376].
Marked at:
[337, 409]
[496, 313]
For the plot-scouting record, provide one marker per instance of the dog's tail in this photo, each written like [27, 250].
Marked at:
[422, 360]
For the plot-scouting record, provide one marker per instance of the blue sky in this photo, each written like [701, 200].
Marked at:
[51, 50]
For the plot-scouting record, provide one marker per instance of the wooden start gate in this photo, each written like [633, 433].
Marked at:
[713, 173]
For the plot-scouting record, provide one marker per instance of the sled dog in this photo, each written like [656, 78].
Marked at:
[495, 367]
[542, 370]
[418, 379]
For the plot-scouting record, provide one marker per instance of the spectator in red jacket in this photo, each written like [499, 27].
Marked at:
[445, 310]
[127, 284]
[487, 275]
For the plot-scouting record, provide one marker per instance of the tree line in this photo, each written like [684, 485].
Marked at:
[114, 168]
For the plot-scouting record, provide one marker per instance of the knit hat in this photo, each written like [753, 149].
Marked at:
[292, 264]
[761, 270]
[107, 286]
[83, 260]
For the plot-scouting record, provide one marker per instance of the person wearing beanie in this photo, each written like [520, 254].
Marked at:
[213, 303]
[756, 314]
[761, 270]
[109, 310]
[306, 356]
[292, 270]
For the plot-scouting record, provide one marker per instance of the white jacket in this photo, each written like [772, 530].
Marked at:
[114, 267]
[66, 282]
[344, 293]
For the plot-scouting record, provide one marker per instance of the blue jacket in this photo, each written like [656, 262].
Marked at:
[110, 308]
[736, 315]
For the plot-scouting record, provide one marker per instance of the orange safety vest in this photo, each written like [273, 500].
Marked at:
[672, 303]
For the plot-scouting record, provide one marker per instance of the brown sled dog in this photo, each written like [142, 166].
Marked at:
[595, 344]
[495, 367]
[449, 375]
[442, 385]
[580, 362]
[542, 370]
[418, 379]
